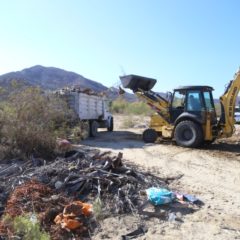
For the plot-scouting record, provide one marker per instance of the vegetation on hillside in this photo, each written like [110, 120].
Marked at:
[218, 109]
[121, 106]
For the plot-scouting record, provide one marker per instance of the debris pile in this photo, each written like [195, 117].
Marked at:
[63, 192]
[87, 175]
[38, 199]
[26, 198]
[79, 89]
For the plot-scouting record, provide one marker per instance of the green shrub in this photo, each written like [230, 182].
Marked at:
[121, 106]
[26, 228]
[30, 121]
[139, 108]
[98, 208]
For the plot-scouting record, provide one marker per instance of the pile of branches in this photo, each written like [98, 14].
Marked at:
[84, 174]
[87, 175]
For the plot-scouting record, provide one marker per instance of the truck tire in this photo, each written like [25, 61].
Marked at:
[150, 135]
[110, 127]
[188, 134]
[93, 129]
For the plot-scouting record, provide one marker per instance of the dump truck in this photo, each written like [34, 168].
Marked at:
[189, 117]
[90, 107]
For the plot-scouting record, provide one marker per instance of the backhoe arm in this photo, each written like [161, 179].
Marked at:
[228, 102]
[156, 102]
[141, 87]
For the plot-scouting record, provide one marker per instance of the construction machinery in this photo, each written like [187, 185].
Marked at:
[188, 116]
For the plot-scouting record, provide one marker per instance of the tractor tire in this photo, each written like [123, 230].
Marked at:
[150, 135]
[188, 134]
[93, 129]
[110, 127]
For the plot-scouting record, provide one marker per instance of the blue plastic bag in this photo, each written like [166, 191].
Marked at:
[159, 196]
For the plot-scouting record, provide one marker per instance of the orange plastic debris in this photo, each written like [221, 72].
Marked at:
[75, 209]
[58, 219]
[87, 209]
[71, 224]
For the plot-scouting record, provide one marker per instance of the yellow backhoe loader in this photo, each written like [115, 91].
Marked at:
[189, 117]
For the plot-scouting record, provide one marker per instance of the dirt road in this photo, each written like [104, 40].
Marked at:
[211, 173]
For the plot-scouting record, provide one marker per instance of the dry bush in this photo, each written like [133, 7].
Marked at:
[139, 108]
[118, 106]
[30, 121]
[128, 123]
[218, 109]
[121, 106]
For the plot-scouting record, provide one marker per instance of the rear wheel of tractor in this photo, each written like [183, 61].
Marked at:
[110, 127]
[150, 135]
[93, 129]
[188, 134]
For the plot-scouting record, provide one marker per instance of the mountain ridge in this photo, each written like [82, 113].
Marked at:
[53, 78]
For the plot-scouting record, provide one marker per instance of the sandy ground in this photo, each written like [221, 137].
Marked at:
[211, 173]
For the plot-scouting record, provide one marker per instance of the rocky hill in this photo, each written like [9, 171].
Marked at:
[51, 78]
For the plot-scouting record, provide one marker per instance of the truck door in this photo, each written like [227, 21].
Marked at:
[194, 103]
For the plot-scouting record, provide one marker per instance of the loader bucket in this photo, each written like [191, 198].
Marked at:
[135, 82]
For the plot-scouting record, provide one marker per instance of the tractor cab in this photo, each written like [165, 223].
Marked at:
[192, 102]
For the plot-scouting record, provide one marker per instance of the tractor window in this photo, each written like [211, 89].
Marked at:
[178, 100]
[208, 100]
[194, 101]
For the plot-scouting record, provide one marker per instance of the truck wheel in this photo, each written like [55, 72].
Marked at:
[188, 134]
[150, 135]
[110, 127]
[93, 129]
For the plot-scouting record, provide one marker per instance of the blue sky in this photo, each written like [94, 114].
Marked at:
[178, 42]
